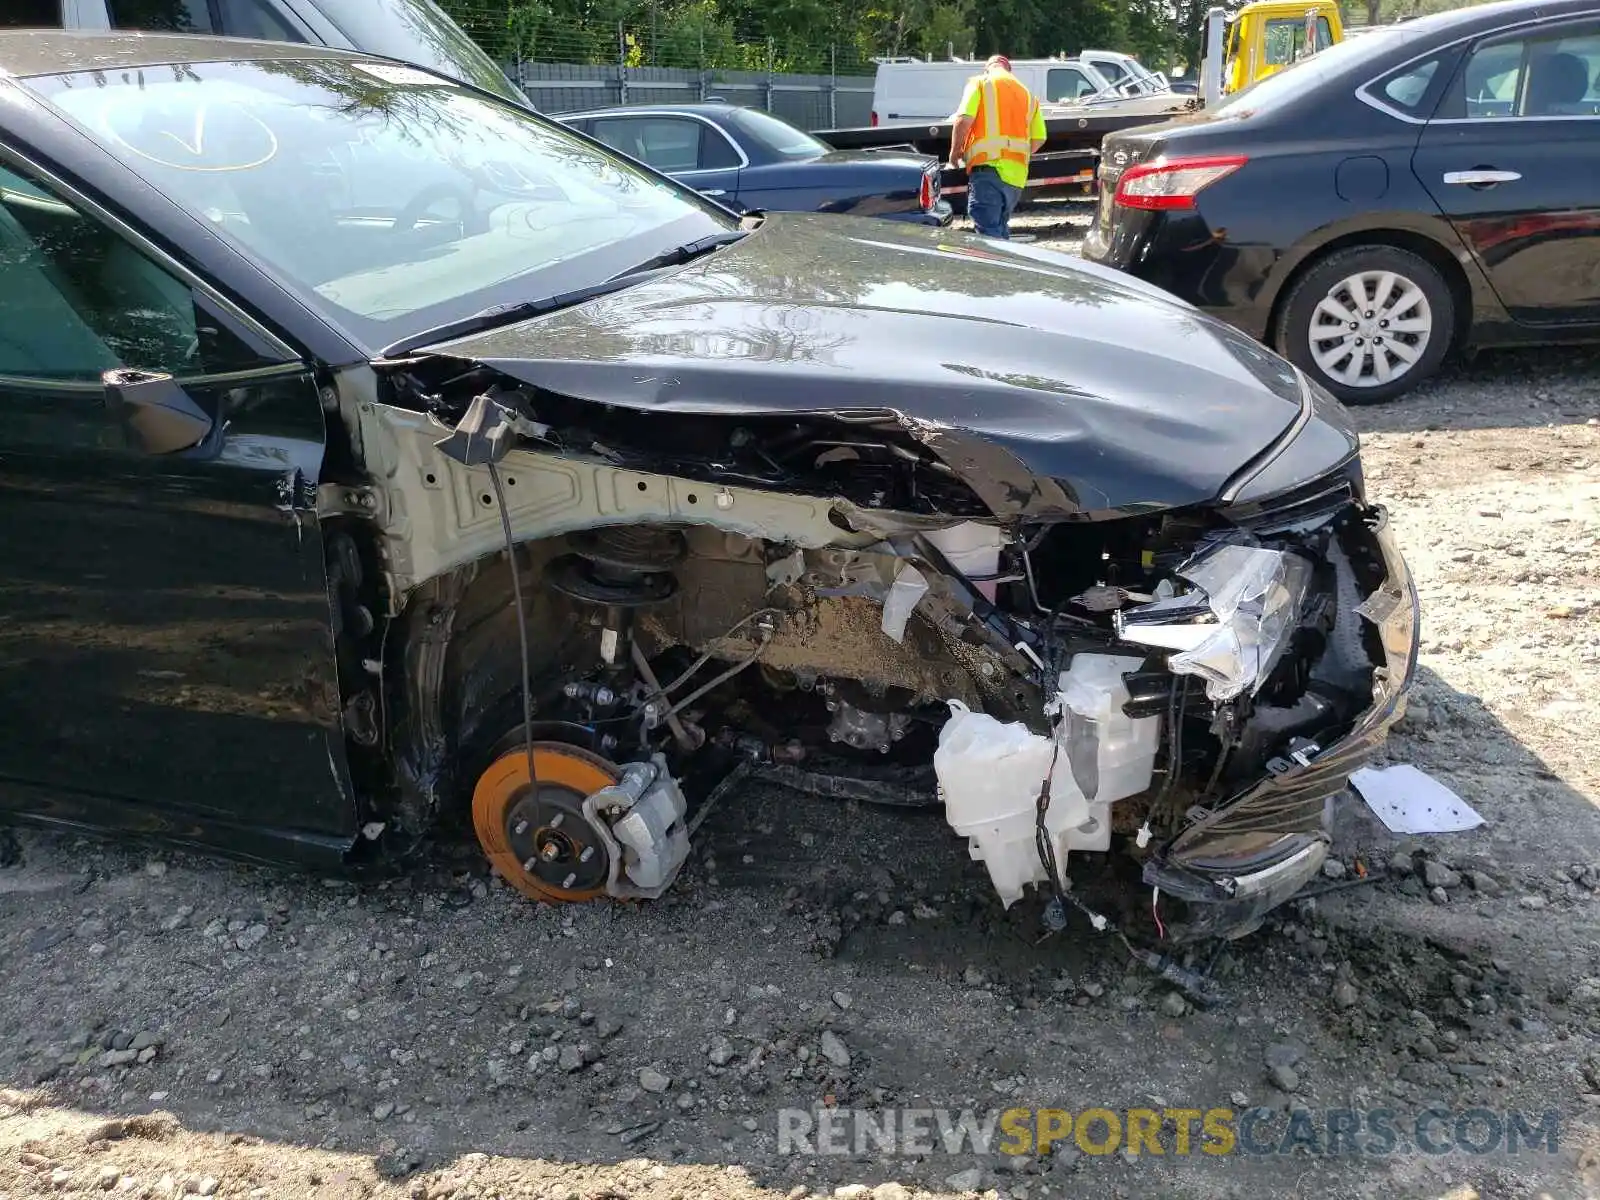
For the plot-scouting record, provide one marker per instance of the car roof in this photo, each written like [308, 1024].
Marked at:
[25, 52]
[1496, 13]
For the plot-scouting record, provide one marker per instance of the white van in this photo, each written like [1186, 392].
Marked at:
[908, 91]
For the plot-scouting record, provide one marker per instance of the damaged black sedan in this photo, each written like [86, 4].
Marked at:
[379, 454]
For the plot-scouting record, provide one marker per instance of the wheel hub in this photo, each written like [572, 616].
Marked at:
[1370, 328]
[555, 843]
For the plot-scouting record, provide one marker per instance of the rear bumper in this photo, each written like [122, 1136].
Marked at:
[1256, 850]
[1180, 253]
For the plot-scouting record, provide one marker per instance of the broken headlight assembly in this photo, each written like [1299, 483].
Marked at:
[1231, 627]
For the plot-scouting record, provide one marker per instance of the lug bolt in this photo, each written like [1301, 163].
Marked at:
[555, 821]
[1361, 341]
[1384, 324]
[520, 828]
[1355, 325]
[1368, 314]
[588, 853]
[530, 865]
[570, 880]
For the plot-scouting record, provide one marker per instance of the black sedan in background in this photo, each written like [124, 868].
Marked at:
[752, 161]
[1430, 186]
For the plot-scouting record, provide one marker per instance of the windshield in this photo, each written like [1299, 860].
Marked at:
[416, 31]
[386, 198]
[780, 137]
[1299, 77]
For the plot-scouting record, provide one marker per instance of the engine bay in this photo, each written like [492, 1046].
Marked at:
[834, 610]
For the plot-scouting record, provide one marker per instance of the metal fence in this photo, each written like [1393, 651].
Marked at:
[808, 101]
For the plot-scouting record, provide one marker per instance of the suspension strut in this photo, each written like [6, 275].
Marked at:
[617, 571]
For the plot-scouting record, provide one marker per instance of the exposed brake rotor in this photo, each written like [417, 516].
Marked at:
[538, 838]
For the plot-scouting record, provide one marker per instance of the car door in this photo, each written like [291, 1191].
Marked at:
[1063, 85]
[1512, 156]
[166, 656]
[692, 151]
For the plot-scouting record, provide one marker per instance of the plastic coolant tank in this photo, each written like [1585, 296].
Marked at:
[1092, 688]
[990, 773]
[974, 550]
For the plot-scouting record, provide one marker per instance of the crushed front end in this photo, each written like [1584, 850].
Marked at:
[1246, 823]
[868, 605]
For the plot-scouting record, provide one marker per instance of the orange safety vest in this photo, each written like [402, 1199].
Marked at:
[1005, 115]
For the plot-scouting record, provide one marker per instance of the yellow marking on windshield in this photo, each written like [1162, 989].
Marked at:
[198, 146]
[191, 153]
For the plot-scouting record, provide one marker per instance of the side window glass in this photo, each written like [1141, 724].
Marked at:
[76, 299]
[171, 16]
[256, 19]
[1281, 37]
[716, 152]
[1324, 33]
[1562, 77]
[666, 144]
[1066, 83]
[622, 136]
[1493, 78]
[31, 14]
[670, 145]
[1407, 89]
[1557, 75]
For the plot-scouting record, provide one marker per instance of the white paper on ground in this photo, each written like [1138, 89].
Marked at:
[1408, 801]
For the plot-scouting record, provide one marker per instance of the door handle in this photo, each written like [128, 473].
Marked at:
[713, 191]
[1481, 177]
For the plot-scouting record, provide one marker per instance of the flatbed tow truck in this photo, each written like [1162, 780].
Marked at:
[1064, 166]
[1235, 55]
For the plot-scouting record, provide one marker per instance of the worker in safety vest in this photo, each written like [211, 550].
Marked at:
[998, 129]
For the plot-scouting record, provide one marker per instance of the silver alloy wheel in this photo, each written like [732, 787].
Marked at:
[1370, 329]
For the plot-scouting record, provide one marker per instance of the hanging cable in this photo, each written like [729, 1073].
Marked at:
[522, 625]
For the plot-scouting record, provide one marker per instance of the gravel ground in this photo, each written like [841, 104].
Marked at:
[175, 1024]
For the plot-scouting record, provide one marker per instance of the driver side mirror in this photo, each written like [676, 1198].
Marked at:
[156, 412]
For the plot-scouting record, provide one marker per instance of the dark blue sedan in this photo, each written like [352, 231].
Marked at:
[750, 160]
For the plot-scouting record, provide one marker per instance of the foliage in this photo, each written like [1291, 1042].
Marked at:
[822, 35]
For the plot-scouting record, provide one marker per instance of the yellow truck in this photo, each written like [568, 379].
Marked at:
[1265, 37]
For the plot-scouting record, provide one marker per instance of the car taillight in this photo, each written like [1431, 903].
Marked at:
[1174, 182]
[874, 120]
[926, 197]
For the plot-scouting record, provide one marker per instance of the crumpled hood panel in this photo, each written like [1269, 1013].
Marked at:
[1124, 396]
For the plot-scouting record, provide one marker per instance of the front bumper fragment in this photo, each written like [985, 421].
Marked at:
[1259, 848]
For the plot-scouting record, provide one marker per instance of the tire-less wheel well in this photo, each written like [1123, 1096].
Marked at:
[1422, 246]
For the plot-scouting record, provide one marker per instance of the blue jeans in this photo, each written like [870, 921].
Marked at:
[990, 202]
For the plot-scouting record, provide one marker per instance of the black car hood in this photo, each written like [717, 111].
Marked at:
[1049, 384]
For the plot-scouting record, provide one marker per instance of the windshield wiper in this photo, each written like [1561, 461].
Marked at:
[679, 255]
[508, 314]
[520, 310]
